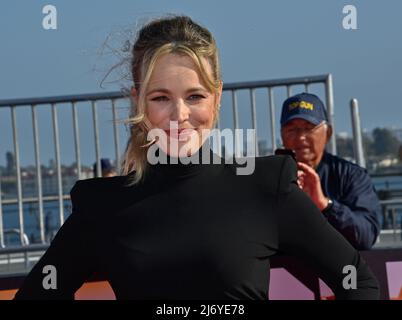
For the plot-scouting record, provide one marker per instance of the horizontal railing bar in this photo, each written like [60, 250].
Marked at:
[19, 249]
[274, 83]
[391, 202]
[390, 174]
[390, 231]
[63, 99]
[35, 199]
[120, 94]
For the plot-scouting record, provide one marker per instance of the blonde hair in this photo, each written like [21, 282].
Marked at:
[178, 35]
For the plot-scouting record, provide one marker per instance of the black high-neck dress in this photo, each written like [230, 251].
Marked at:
[197, 231]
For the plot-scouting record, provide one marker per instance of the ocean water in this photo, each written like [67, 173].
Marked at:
[387, 183]
[51, 220]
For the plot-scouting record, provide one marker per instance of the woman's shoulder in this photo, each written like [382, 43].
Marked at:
[94, 185]
[98, 194]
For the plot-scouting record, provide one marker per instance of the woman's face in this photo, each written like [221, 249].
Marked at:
[179, 103]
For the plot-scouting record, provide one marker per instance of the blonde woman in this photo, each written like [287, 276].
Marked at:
[189, 231]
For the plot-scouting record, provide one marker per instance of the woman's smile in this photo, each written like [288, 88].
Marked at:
[180, 134]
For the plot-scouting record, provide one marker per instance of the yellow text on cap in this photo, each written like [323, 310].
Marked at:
[301, 104]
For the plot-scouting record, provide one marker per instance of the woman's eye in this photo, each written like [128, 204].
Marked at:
[195, 97]
[160, 98]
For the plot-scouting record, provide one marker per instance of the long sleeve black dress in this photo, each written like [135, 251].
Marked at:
[195, 231]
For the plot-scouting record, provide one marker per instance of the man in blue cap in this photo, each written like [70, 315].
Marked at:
[342, 190]
[107, 168]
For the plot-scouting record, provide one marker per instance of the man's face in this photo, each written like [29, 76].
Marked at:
[306, 139]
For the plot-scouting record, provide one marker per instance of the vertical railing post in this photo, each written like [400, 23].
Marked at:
[18, 170]
[272, 118]
[237, 150]
[38, 173]
[330, 110]
[288, 91]
[96, 135]
[116, 136]
[357, 133]
[1, 218]
[219, 137]
[254, 122]
[76, 140]
[393, 215]
[56, 140]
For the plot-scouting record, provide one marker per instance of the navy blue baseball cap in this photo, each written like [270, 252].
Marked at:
[106, 164]
[304, 106]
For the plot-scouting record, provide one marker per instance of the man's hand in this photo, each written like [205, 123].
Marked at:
[309, 182]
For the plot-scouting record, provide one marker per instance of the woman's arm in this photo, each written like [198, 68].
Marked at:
[304, 232]
[70, 254]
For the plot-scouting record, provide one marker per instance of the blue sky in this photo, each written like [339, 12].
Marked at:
[257, 40]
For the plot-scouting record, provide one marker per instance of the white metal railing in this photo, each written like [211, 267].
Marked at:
[112, 98]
